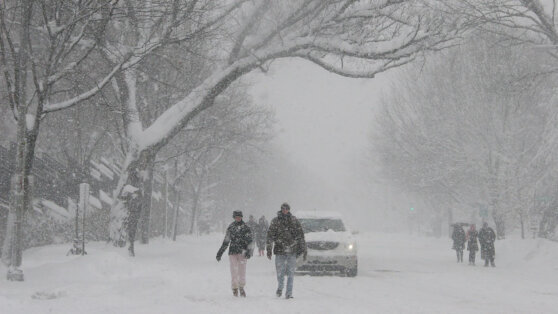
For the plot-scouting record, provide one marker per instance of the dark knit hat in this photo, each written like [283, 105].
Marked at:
[237, 213]
[285, 206]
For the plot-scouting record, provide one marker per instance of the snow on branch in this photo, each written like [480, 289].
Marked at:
[312, 34]
[90, 93]
[368, 73]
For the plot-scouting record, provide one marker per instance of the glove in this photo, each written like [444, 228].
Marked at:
[218, 258]
[247, 254]
[269, 255]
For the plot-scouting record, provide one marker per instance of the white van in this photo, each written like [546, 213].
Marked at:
[332, 249]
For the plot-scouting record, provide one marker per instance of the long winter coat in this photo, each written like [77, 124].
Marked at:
[239, 236]
[458, 237]
[285, 231]
[486, 239]
[472, 244]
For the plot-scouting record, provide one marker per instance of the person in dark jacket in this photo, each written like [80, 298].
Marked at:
[458, 237]
[239, 241]
[286, 238]
[262, 234]
[472, 244]
[486, 239]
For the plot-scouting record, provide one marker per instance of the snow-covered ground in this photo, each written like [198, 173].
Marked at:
[398, 274]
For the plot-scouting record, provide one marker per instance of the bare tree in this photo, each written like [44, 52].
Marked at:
[41, 42]
[350, 38]
[233, 126]
[466, 131]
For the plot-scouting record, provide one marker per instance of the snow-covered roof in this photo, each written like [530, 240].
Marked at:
[317, 214]
[105, 197]
[56, 211]
[93, 201]
[106, 171]
[95, 174]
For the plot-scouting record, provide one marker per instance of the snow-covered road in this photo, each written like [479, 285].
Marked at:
[397, 274]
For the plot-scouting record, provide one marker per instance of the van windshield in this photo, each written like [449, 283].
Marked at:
[321, 224]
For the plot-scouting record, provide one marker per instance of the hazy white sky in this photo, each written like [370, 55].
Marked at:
[324, 122]
[324, 119]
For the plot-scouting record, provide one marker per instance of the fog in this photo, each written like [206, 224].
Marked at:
[324, 124]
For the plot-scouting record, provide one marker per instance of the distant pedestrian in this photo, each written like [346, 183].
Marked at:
[458, 237]
[486, 239]
[472, 244]
[262, 235]
[286, 238]
[253, 225]
[239, 236]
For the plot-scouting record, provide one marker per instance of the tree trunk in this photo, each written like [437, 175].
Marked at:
[195, 204]
[125, 212]
[175, 218]
[145, 217]
[194, 212]
[134, 204]
[21, 196]
[165, 202]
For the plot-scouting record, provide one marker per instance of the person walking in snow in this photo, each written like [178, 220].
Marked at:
[262, 235]
[238, 239]
[486, 239]
[286, 238]
[458, 237]
[253, 225]
[472, 244]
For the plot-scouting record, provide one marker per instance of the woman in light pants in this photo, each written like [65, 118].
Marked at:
[238, 272]
[239, 236]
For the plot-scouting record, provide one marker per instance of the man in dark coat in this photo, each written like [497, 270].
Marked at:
[458, 237]
[286, 238]
[472, 244]
[486, 239]
[239, 237]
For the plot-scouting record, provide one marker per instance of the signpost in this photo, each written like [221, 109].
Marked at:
[82, 205]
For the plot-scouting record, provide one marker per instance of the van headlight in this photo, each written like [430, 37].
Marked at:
[350, 246]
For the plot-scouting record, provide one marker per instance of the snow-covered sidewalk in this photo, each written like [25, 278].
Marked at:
[397, 274]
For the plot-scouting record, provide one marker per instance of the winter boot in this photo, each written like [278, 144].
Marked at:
[288, 296]
[235, 292]
[278, 293]
[242, 292]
